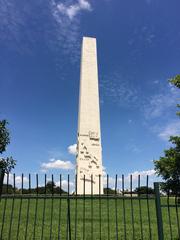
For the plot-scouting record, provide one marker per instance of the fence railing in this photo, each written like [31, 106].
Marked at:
[32, 208]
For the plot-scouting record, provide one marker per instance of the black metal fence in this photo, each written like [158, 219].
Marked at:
[128, 209]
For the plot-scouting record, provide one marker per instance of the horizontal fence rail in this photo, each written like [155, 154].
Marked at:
[32, 207]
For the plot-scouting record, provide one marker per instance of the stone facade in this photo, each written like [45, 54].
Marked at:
[89, 151]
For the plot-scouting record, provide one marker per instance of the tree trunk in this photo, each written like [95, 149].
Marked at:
[1, 180]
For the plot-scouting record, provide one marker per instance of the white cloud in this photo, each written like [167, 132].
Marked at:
[104, 171]
[57, 164]
[64, 184]
[72, 149]
[111, 180]
[160, 104]
[119, 89]
[72, 10]
[67, 28]
[18, 179]
[148, 1]
[144, 173]
[131, 146]
[156, 81]
[143, 176]
[172, 129]
[61, 33]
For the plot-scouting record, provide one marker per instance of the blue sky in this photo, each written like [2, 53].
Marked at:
[138, 51]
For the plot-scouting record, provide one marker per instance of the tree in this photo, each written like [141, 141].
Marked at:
[6, 164]
[109, 191]
[144, 190]
[8, 189]
[176, 82]
[4, 136]
[168, 166]
[50, 187]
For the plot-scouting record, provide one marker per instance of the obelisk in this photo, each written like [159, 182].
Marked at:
[89, 150]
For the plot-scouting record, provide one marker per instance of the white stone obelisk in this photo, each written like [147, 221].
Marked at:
[89, 151]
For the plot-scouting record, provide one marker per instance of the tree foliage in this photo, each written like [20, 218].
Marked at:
[4, 136]
[176, 82]
[40, 190]
[168, 166]
[109, 191]
[6, 164]
[144, 190]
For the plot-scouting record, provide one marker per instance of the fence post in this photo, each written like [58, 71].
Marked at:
[158, 211]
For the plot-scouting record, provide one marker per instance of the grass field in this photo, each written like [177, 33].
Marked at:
[92, 223]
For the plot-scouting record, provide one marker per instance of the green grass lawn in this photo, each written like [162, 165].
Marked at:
[93, 224]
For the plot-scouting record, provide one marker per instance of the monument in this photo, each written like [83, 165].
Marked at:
[89, 151]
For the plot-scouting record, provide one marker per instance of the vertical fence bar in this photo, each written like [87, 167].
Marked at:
[20, 207]
[124, 209]
[116, 210]
[75, 225]
[12, 208]
[68, 215]
[1, 189]
[108, 227]
[132, 209]
[69, 209]
[36, 207]
[52, 205]
[5, 205]
[169, 216]
[100, 207]
[67, 220]
[158, 211]
[27, 216]
[44, 208]
[177, 214]
[147, 196]
[59, 220]
[92, 207]
[140, 207]
[84, 189]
